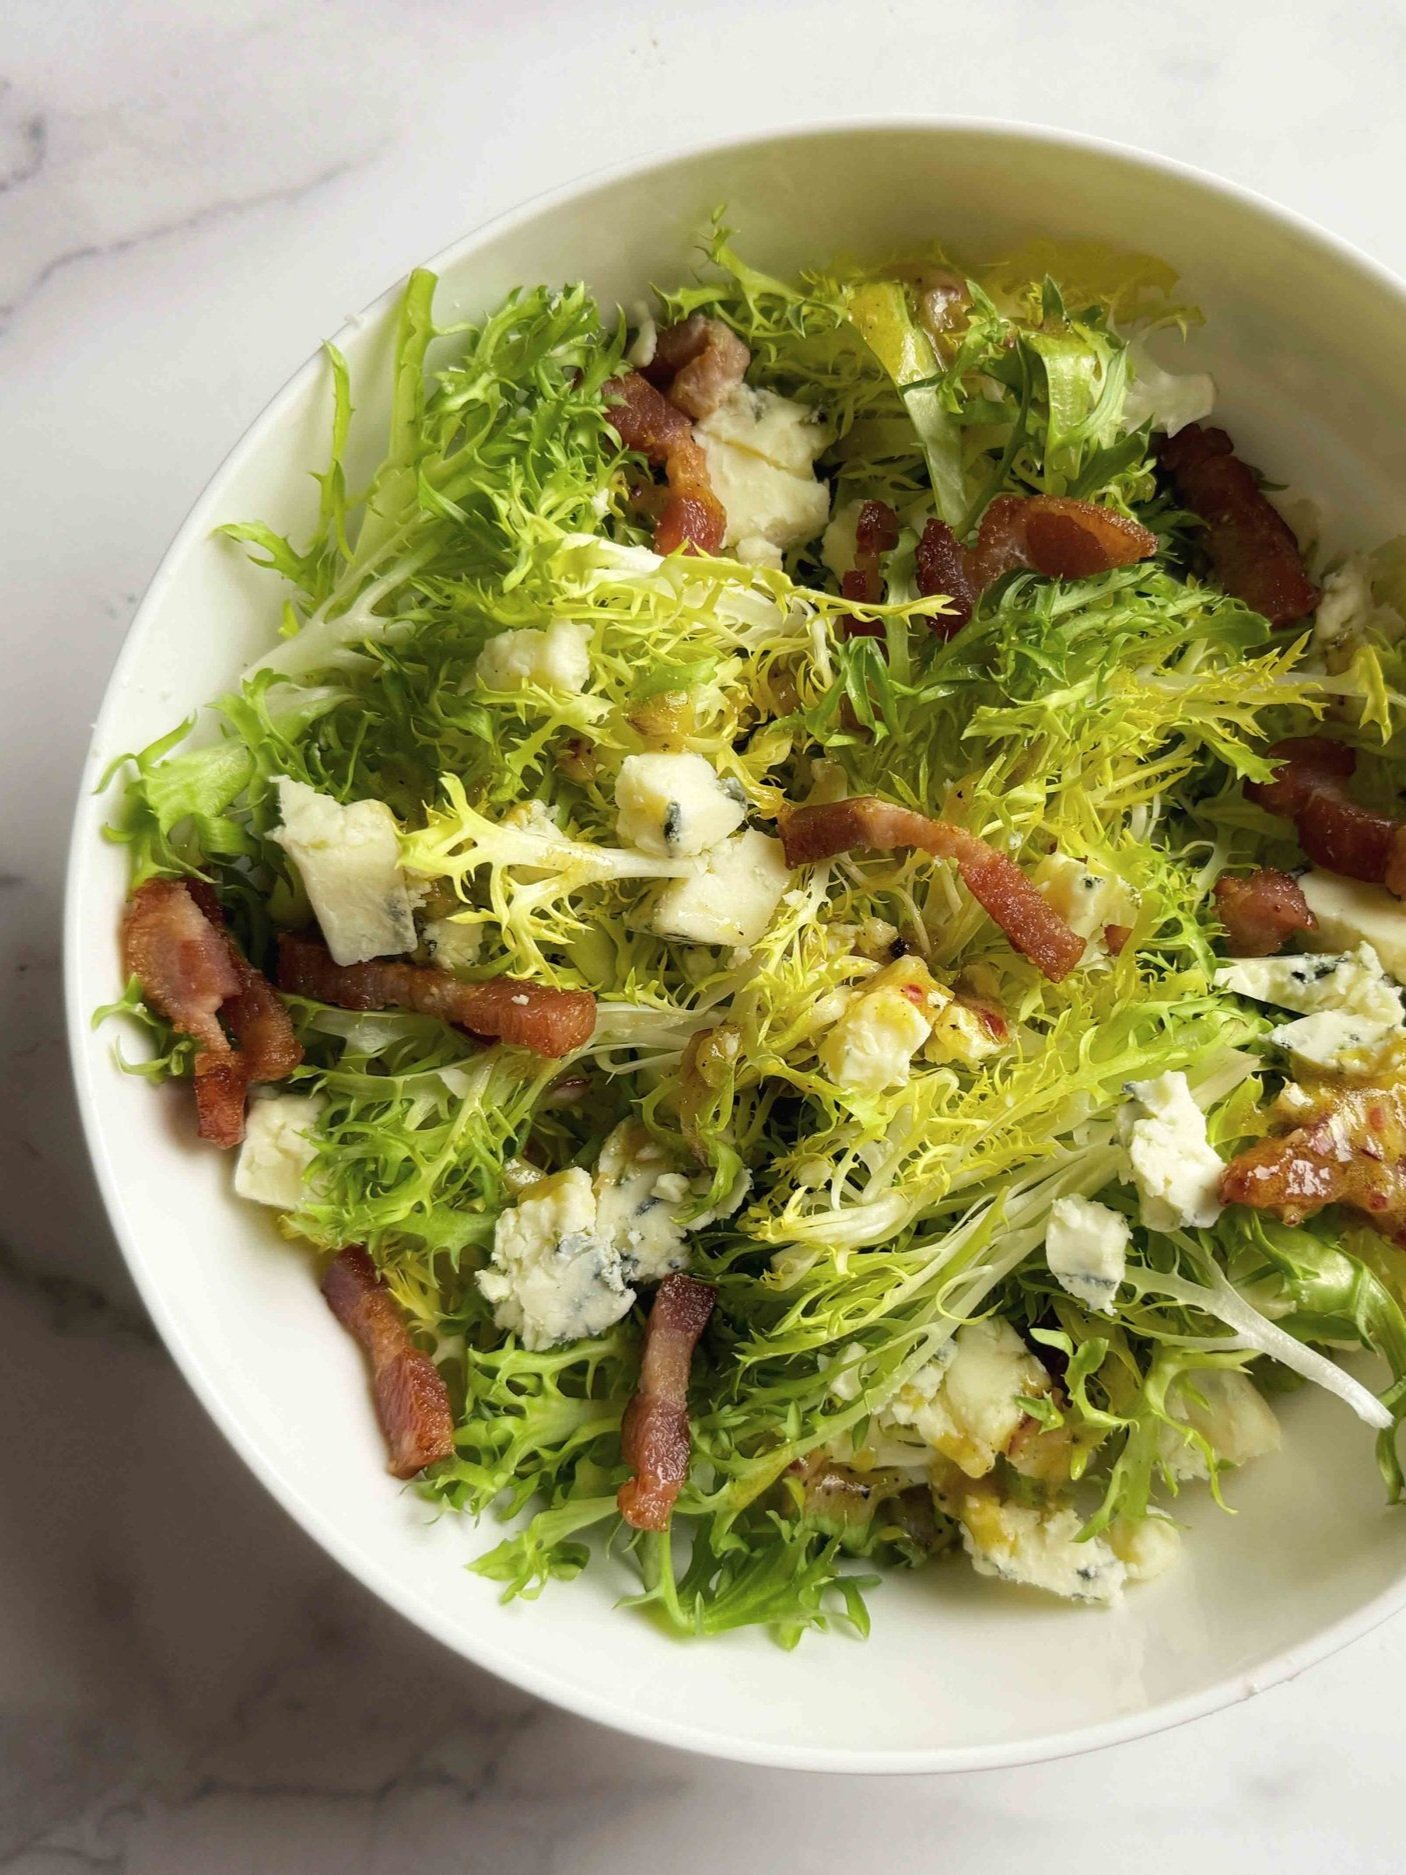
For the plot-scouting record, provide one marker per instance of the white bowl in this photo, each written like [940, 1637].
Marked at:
[1307, 341]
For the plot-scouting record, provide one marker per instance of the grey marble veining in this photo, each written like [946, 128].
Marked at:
[189, 196]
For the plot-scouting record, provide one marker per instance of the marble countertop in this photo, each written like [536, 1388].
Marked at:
[189, 197]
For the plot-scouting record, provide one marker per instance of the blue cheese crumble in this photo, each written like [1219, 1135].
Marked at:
[675, 806]
[1350, 1012]
[558, 658]
[348, 857]
[1087, 897]
[870, 1047]
[639, 1196]
[552, 1279]
[966, 1403]
[1039, 1546]
[568, 1255]
[761, 451]
[1086, 1247]
[1226, 1408]
[1173, 1166]
[278, 1150]
[732, 899]
[1350, 913]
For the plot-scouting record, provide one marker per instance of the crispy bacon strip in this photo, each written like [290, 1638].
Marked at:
[1065, 538]
[998, 885]
[1251, 545]
[645, 420]
[412, 1401]
[175, 943]
[221, 1090]
[1056, 535]
[527, 1015]
[1310, 789]
[1261, 910]
[256, 1017]
[944, 566]
[180, 959]
[698, 363]
[692, 517]
[654, 1434]
[1351, 1152]
[1309, 763]
[875, 533]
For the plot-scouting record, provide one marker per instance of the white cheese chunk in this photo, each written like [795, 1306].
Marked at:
[1174, 1167]
[878, 1029]
[349, 861]
[1335, 1041]
[558, 658]
[733, 900]
[1350, 913]
[1146, 1546]
[452, 945]
[1349, 614]
[873, 1043]
[1039, 1547]
[844, 1383]
[1088, 898]
[279, 1146]
[779, 430]
[1232, 1416]
[966, 1404]
[566, 1254]
[1235, 1417]
[1352, 981]
[552, 1278]
[675, 806]
[763, 503]
[640, 1193]
[965, 1032]
[1086, 1247]
[757, 550]
[1345, 606]
[760, 450]
[1351, 1013]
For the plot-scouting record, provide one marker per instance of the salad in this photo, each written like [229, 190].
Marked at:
[801, 919]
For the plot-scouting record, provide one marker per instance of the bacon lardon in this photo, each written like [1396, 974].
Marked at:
[875, 533]
[698, 363]
[1307, 765]
[180, 959]
[994, 880]
[1261, 910]
[412, 1401]
[191, 971]
[256, 1016]
[1057, 535]
[1310, 788]
[1250, 544]
[1352, 1151]
[655, 1440]
[1065, 538]
[645, 420]
[944, 567]
[549, 1021]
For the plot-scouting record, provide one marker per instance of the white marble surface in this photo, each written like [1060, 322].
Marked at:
[189, 196]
